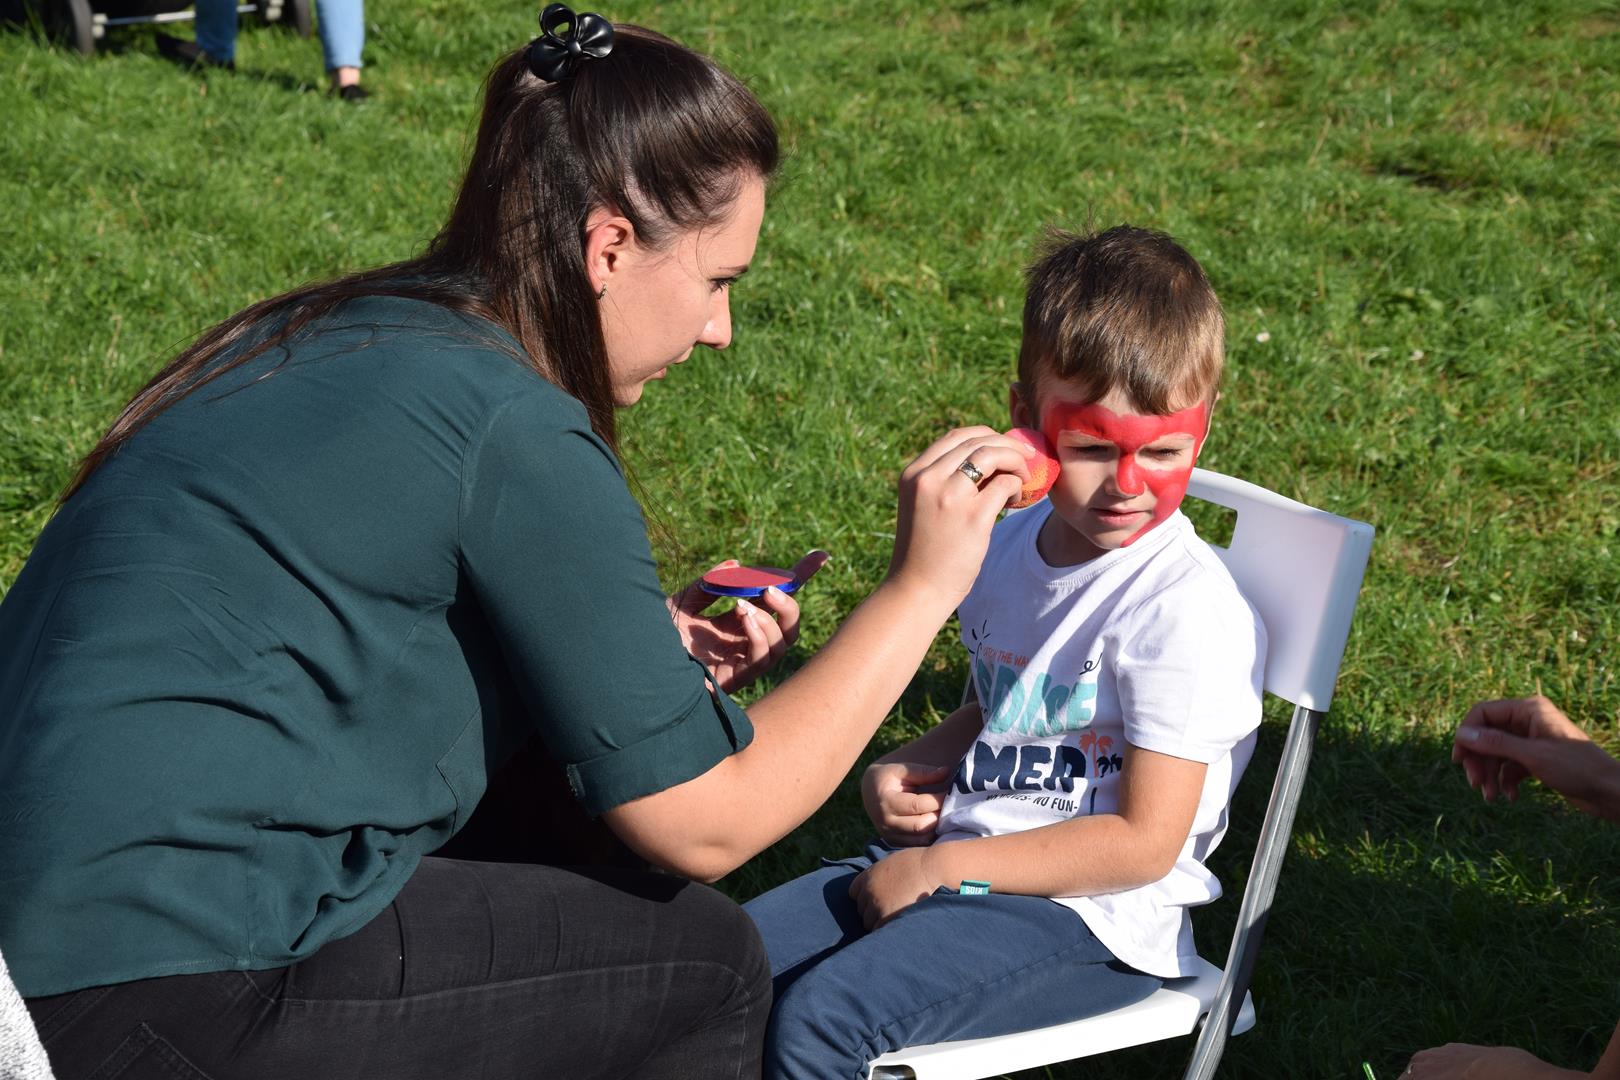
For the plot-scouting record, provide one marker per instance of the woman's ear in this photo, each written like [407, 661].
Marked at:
[609, 239]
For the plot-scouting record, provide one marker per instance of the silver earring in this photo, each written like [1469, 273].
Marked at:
[602, 291]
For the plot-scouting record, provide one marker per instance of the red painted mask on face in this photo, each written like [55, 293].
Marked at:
[1129, 434]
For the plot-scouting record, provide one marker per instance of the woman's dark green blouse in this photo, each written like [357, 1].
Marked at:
[263, 661]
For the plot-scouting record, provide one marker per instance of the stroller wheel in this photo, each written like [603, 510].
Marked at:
[300, 16]
[71, 21]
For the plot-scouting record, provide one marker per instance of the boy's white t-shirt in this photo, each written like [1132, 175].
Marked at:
[1151, 645]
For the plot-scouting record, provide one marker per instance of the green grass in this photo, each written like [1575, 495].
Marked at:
[1415, 203]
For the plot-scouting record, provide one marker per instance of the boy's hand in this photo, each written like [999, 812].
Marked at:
[903, 800]
[740, 645]
[891, 885]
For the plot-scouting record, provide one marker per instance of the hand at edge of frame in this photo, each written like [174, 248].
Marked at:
[1500, 743]
[1463, 1061]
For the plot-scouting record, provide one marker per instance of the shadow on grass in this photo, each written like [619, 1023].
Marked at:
[1412, 914]
[1409, 913]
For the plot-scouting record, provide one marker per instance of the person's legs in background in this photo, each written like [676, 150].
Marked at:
[342, 26]
[216, 29]
[216, 37]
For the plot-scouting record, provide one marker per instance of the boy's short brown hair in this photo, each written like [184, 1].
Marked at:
[1125, 309]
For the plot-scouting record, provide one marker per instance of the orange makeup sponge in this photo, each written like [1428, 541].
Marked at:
[1043, 468]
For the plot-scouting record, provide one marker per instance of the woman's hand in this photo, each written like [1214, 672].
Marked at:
[1460, 1061]
[1500, 743]
[742, 644]
[891, 885]
[904, 799]
[943, 527]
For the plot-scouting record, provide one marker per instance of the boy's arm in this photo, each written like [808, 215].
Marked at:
[945, 742]
[1100, 853]
[904, 790]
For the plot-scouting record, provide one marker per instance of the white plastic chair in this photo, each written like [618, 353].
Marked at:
[21, 1055]
[1301, 568]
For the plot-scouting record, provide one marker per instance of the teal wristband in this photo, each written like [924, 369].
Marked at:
[969, 887]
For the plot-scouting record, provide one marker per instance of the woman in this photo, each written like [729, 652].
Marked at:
[357, 543]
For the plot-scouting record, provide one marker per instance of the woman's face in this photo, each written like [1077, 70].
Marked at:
[660, 304]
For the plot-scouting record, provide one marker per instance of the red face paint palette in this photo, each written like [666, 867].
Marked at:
[748, 580]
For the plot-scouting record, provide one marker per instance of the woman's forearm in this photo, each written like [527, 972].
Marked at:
[807, 734]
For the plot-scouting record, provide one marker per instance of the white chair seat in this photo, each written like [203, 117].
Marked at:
[1173, 1009]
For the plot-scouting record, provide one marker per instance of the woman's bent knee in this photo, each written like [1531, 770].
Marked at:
[724, 993]
[729, 937]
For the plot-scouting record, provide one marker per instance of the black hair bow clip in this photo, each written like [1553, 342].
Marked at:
[553, 56]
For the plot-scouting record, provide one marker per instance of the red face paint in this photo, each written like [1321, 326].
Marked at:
[748, 580]
[1129, 433]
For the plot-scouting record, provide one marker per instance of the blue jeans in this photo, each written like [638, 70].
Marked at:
[947, 967]
[340, 23]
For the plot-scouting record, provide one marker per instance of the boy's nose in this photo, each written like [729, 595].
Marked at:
[1128, 478]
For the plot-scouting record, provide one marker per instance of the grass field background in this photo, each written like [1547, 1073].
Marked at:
[1411, 212]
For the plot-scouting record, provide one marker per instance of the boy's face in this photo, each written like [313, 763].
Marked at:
[1123, 471]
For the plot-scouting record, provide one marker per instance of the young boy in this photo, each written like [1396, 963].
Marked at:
[1117, 679]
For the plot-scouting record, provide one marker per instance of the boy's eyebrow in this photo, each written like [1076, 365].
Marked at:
[733, 271]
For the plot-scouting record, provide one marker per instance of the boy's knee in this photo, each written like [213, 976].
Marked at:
[817, 1030]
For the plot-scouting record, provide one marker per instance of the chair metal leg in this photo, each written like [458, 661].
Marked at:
[1257, 897]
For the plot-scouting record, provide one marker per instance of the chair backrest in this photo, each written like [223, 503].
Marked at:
[1301, 568]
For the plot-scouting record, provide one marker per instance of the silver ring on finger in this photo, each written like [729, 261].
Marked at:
[971, 471]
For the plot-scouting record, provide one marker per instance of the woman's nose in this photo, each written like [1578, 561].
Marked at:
[717, 334]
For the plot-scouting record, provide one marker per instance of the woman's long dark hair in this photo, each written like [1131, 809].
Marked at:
[661, 133]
